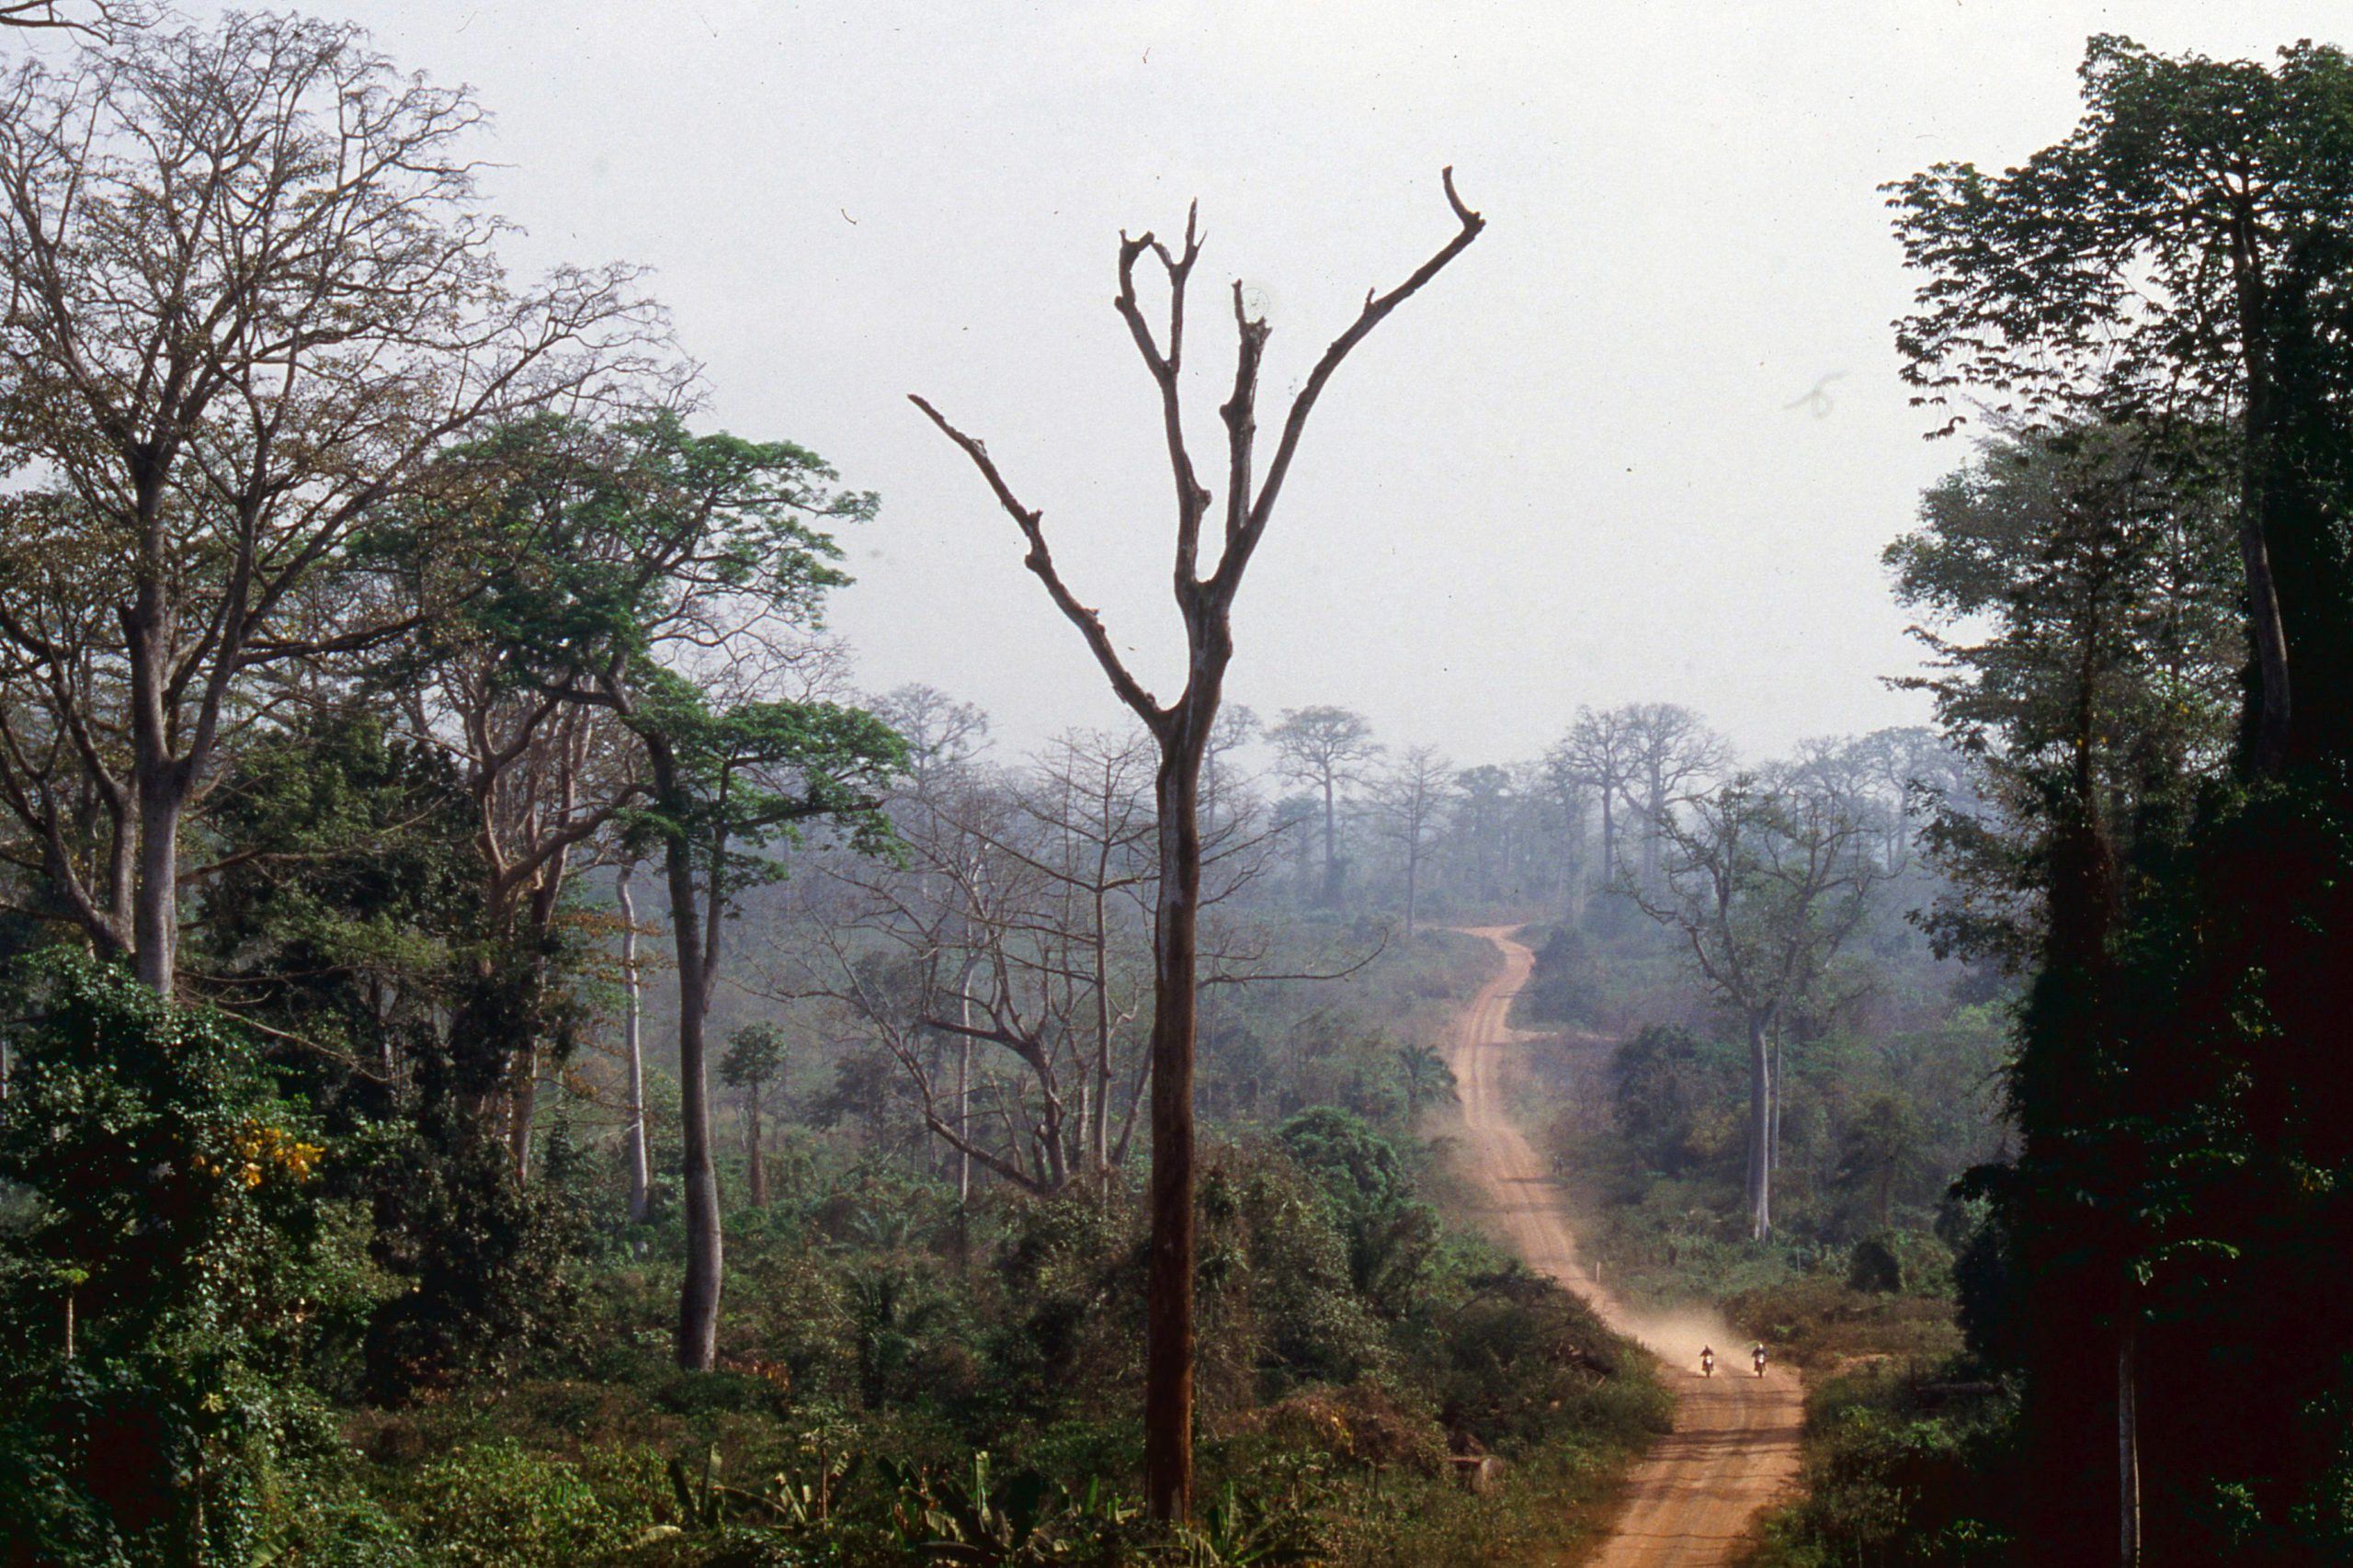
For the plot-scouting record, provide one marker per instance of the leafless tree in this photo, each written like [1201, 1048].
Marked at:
[250, 295]
[1409, 801]
[1181, 729]
[1020, 926]
[941, 732]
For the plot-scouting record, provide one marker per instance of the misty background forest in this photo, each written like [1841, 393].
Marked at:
[519, 1047]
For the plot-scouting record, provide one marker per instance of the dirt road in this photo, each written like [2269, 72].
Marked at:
[1734, 1446]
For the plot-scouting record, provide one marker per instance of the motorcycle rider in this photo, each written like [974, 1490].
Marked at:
[1758, 1354]
[1706, 1361]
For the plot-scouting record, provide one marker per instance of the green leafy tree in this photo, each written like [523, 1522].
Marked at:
[2180, 255]
[2179, 264]
[755, 1059]
[624, 556]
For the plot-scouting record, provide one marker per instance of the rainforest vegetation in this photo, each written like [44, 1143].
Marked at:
[509, 1054]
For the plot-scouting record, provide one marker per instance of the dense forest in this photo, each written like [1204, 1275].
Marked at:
[512, 1055]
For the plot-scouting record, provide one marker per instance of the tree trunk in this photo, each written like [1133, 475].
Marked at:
[2128, 1434]
[1099, 1129]
[1609, 840]
[159, 782]
[2259, 444]
[641, 1167]
[155, 912]
[1331, 848]
[1168, 1333]
[1653, 830]
[758, 1173]
[699, 1295]
[1760, 1097]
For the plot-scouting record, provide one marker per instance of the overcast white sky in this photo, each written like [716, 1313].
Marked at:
[1567, 472]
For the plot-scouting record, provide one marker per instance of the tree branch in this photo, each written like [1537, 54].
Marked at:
[1040, 561]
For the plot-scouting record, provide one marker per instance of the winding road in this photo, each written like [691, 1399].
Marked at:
[1734, 1447]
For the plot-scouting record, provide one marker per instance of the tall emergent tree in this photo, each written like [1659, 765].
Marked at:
[2182, 255]
[250, 294]
[2182, 263]
[1764, 884]
[1327, 750]
[1181, 729]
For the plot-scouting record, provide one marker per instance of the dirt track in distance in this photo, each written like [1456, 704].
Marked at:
[1734, 1447]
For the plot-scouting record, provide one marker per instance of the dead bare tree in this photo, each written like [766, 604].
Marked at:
[1181, 729]
[1409, 800]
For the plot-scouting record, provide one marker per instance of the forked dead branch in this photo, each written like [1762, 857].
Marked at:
[1181, 729]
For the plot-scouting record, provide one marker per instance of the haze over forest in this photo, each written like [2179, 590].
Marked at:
[1583, 458]
[1156, 787]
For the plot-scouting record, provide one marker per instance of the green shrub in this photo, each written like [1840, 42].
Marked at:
[497, 1505]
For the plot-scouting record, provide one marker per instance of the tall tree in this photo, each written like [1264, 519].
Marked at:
[1412, 799]
[2180, 254]
[1599, 754]
[2094, 691]
[1765, 885]
[1181, 729]
[1327, 750]
[755, 1059]
[609, 590]
[1674, 754]
[252, 294]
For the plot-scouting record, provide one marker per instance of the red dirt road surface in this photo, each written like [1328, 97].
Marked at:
[1734, 1447]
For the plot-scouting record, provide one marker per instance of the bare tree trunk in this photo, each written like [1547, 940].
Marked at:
[1760, 1130]
[964, 1093]
[641, 1167]
[1654, 831]
[2128, 1434]
[155, 912]
[1100, 1131]
[2266, 627]
[1609, 840]
[695, 940]
[1168, 1335]
[1331, 848]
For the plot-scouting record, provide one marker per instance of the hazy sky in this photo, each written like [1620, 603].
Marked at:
[1569, 472]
